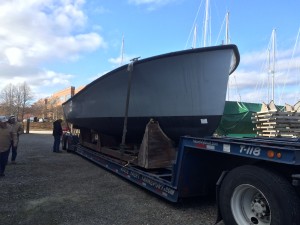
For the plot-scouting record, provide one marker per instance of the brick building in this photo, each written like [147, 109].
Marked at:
[58, 98]
[50, 107]
[63, 95]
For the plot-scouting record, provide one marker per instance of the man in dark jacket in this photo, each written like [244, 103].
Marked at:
[57, 133]
[6, 136]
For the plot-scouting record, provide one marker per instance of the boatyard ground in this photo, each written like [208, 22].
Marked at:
[46, 188]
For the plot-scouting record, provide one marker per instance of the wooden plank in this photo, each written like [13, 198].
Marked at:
[272, 106]
[272, 113]
[267, 135]
[297, 106]
[286, 117]
[116, 153]
[279, 127]
[277, 135]
[289, 135]
[90, 145]
[267, 124]
[274, 123]
[288, 107]
[287, 129]
[277, 121]
[263, 127]
[262, 120]
[268, 131]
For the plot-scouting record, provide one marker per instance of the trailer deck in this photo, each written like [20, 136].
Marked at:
[286, 151]
[192, 173]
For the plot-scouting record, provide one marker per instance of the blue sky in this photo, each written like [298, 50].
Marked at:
[54, 44]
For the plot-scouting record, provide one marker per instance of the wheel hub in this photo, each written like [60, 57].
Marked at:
[257, 208]
[260, 207]
[249, 206]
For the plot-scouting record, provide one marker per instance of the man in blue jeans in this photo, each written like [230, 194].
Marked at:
[57, 133]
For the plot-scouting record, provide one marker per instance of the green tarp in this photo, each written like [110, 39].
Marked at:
[236, 119]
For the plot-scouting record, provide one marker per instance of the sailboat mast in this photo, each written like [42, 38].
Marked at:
[206, 22]
[122, 50]
[273, 58]
[227, 29]
[269, 72]
[227, 42]
[194, 45]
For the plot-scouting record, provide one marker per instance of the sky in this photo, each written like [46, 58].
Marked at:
[55, 44]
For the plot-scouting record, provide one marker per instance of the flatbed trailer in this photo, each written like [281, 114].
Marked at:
[256, 180]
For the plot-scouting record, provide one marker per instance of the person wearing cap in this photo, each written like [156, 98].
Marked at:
[18, 129]
[6, 135]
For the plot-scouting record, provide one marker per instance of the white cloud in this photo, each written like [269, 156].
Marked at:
[15, 56]
[252, 81]
[37, 31]
[41, 81]
[33, 31]
[157, 2]
[151, 4]
[118, 61]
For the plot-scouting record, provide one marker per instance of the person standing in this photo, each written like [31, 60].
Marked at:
[57, 133]
[6, 136]
[18, 129]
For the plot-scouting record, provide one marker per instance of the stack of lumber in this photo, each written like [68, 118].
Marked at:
[272, 122]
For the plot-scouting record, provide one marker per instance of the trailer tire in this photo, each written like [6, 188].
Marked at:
[255, 195]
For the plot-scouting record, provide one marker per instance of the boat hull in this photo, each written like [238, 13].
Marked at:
[184, 91]
[174, 127]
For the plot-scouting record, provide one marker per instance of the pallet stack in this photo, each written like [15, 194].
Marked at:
[273, 122]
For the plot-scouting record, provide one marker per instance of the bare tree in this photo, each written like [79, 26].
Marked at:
[52, 107]
[39, 108]
[7, 96]
[24, 97]
[15, 98]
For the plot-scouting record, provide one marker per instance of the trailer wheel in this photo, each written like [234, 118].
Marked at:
[253, 195]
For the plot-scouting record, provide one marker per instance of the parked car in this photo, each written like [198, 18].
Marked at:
[41, 120]
[2, 117]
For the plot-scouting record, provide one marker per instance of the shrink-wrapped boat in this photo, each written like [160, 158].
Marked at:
[184, 91]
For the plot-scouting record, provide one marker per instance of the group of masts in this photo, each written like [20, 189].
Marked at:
[206, 41]
[206, 38]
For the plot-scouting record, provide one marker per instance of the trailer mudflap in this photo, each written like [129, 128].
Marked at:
[218, 187]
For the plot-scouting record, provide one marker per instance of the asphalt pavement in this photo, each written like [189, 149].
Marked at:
[46, 188]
